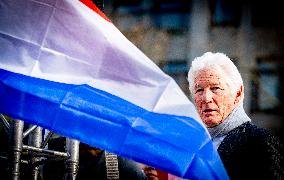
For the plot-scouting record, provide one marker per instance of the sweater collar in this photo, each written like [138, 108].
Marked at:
[237, 117]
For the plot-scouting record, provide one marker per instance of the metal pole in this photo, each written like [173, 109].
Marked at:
[72, 164]
[5, 123]
[27, 132]
[15, 149]
[48, 136]
[45, 152]
[35, 139]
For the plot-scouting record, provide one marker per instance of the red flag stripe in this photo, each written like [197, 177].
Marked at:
[92, 6]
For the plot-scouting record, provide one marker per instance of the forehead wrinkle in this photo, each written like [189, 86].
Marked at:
[210, 76]
[199, 82]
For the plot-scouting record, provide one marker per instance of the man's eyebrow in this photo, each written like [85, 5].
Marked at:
[197, 86]
[215, 84]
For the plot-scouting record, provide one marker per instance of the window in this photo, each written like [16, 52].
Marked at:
[134, 7]
[177, 69]
[172, 15]
[267, 13]
[268, 86]
[225, 12]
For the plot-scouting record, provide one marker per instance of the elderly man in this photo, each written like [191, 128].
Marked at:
[248, 152]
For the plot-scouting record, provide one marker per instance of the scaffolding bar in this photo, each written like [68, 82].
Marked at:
[48, 136]
[35, 139]
[27, 132]
[72, 164]
[22, 161]
[45, 152]
[15, 149]
[5, 123]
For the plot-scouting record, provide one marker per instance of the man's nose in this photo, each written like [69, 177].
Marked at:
[207, 96]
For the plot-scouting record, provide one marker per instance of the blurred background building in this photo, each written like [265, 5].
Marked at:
[251, 32]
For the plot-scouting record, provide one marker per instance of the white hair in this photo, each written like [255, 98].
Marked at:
[219, 62]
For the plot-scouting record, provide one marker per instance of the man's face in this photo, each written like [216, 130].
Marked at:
[150, 172]
[212, 97]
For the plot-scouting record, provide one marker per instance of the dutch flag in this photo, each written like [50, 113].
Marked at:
[64, 66]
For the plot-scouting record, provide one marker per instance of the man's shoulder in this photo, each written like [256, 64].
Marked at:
[253, 150]
[249, 131]
[248, 137]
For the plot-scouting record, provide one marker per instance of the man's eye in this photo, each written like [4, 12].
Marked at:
[198, 90]
[216, 88]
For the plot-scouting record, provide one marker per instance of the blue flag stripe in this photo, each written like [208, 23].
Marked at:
[106, 121]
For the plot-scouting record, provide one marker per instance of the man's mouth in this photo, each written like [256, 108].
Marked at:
[209, 110]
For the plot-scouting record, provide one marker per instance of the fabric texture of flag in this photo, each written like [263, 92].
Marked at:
[66, 67]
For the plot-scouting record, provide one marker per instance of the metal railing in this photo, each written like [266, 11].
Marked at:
[36, 150]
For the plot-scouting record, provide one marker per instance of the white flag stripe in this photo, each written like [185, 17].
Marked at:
[60, 42]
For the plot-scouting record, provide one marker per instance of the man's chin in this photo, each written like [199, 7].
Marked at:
[210, 123]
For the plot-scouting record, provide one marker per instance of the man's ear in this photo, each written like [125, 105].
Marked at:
[239, 95]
